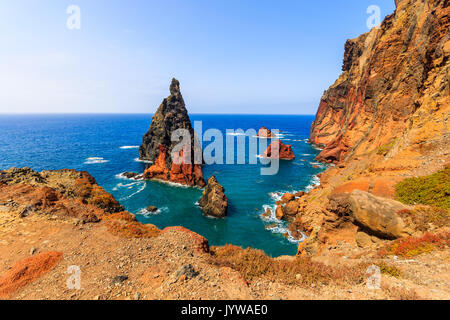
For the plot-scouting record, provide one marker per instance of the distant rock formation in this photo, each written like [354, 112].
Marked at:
[284, 151]
[265, 133]
[214, 203]
[157, 146]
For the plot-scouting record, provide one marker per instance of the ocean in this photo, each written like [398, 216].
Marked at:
[107, 145]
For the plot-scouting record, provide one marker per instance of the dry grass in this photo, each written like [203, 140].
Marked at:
[253, 264]
[124, 224]
[396, 293]
[423, 218]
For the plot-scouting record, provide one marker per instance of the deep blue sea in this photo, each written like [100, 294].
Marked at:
[106, 146]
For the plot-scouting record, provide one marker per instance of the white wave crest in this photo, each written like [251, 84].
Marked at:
[144, 212]
[95, 160]
[143, 161]
[315, 182]
[129, 147]
[143, 185]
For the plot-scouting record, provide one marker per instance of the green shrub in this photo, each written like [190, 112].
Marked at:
[433, 190]
[384, 150]
[390, 270]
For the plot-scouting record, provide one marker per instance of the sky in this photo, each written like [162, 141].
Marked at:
[230, 56]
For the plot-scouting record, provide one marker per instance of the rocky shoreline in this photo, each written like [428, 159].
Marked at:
[52, 221]
[372, 152]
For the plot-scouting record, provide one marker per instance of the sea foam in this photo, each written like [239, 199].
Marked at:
[95, 160]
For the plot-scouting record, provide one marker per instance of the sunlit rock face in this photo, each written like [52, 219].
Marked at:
[157, 146]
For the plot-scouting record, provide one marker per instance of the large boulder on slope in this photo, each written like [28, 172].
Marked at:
[375, 215]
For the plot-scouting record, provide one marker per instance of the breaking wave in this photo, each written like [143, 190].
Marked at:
[95, 160]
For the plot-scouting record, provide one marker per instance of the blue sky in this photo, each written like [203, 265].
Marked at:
[231, 56]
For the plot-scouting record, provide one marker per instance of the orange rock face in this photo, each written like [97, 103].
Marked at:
[393, 93]
[184, 173]
[284, 151]
[27, 271]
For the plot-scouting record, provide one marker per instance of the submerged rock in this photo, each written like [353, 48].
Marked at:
[214, 202]
[152, 209]
[157, 145]
[132, 175]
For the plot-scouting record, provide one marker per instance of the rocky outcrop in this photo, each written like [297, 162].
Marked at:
[58, 193]
[214, 203]
[392, 98]
[158, 147]
[284, 151]
[67, 195]
[265, 133]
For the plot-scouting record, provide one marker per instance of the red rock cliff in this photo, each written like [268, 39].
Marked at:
[392, 98]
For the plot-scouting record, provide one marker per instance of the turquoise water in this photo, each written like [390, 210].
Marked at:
[105, 145]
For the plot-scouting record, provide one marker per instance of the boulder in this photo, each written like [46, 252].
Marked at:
[214, 203]
[291, 208]
[279, 213]
[152, 209]
[377, 215]
[287, 197]
[363, 240]
[130, 175]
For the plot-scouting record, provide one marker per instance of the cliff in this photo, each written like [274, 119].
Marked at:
[391, 103]
[382, 121]
[157, 145]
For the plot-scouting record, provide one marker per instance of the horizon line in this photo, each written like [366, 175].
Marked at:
[150, 113]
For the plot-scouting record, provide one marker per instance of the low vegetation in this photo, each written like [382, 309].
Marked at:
[253, 264]
[413, 246]
[425, 218]
[389, 270]
[433, 190]
[384, 149]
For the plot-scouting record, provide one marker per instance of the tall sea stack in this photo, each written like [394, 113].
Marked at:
[157, 146]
